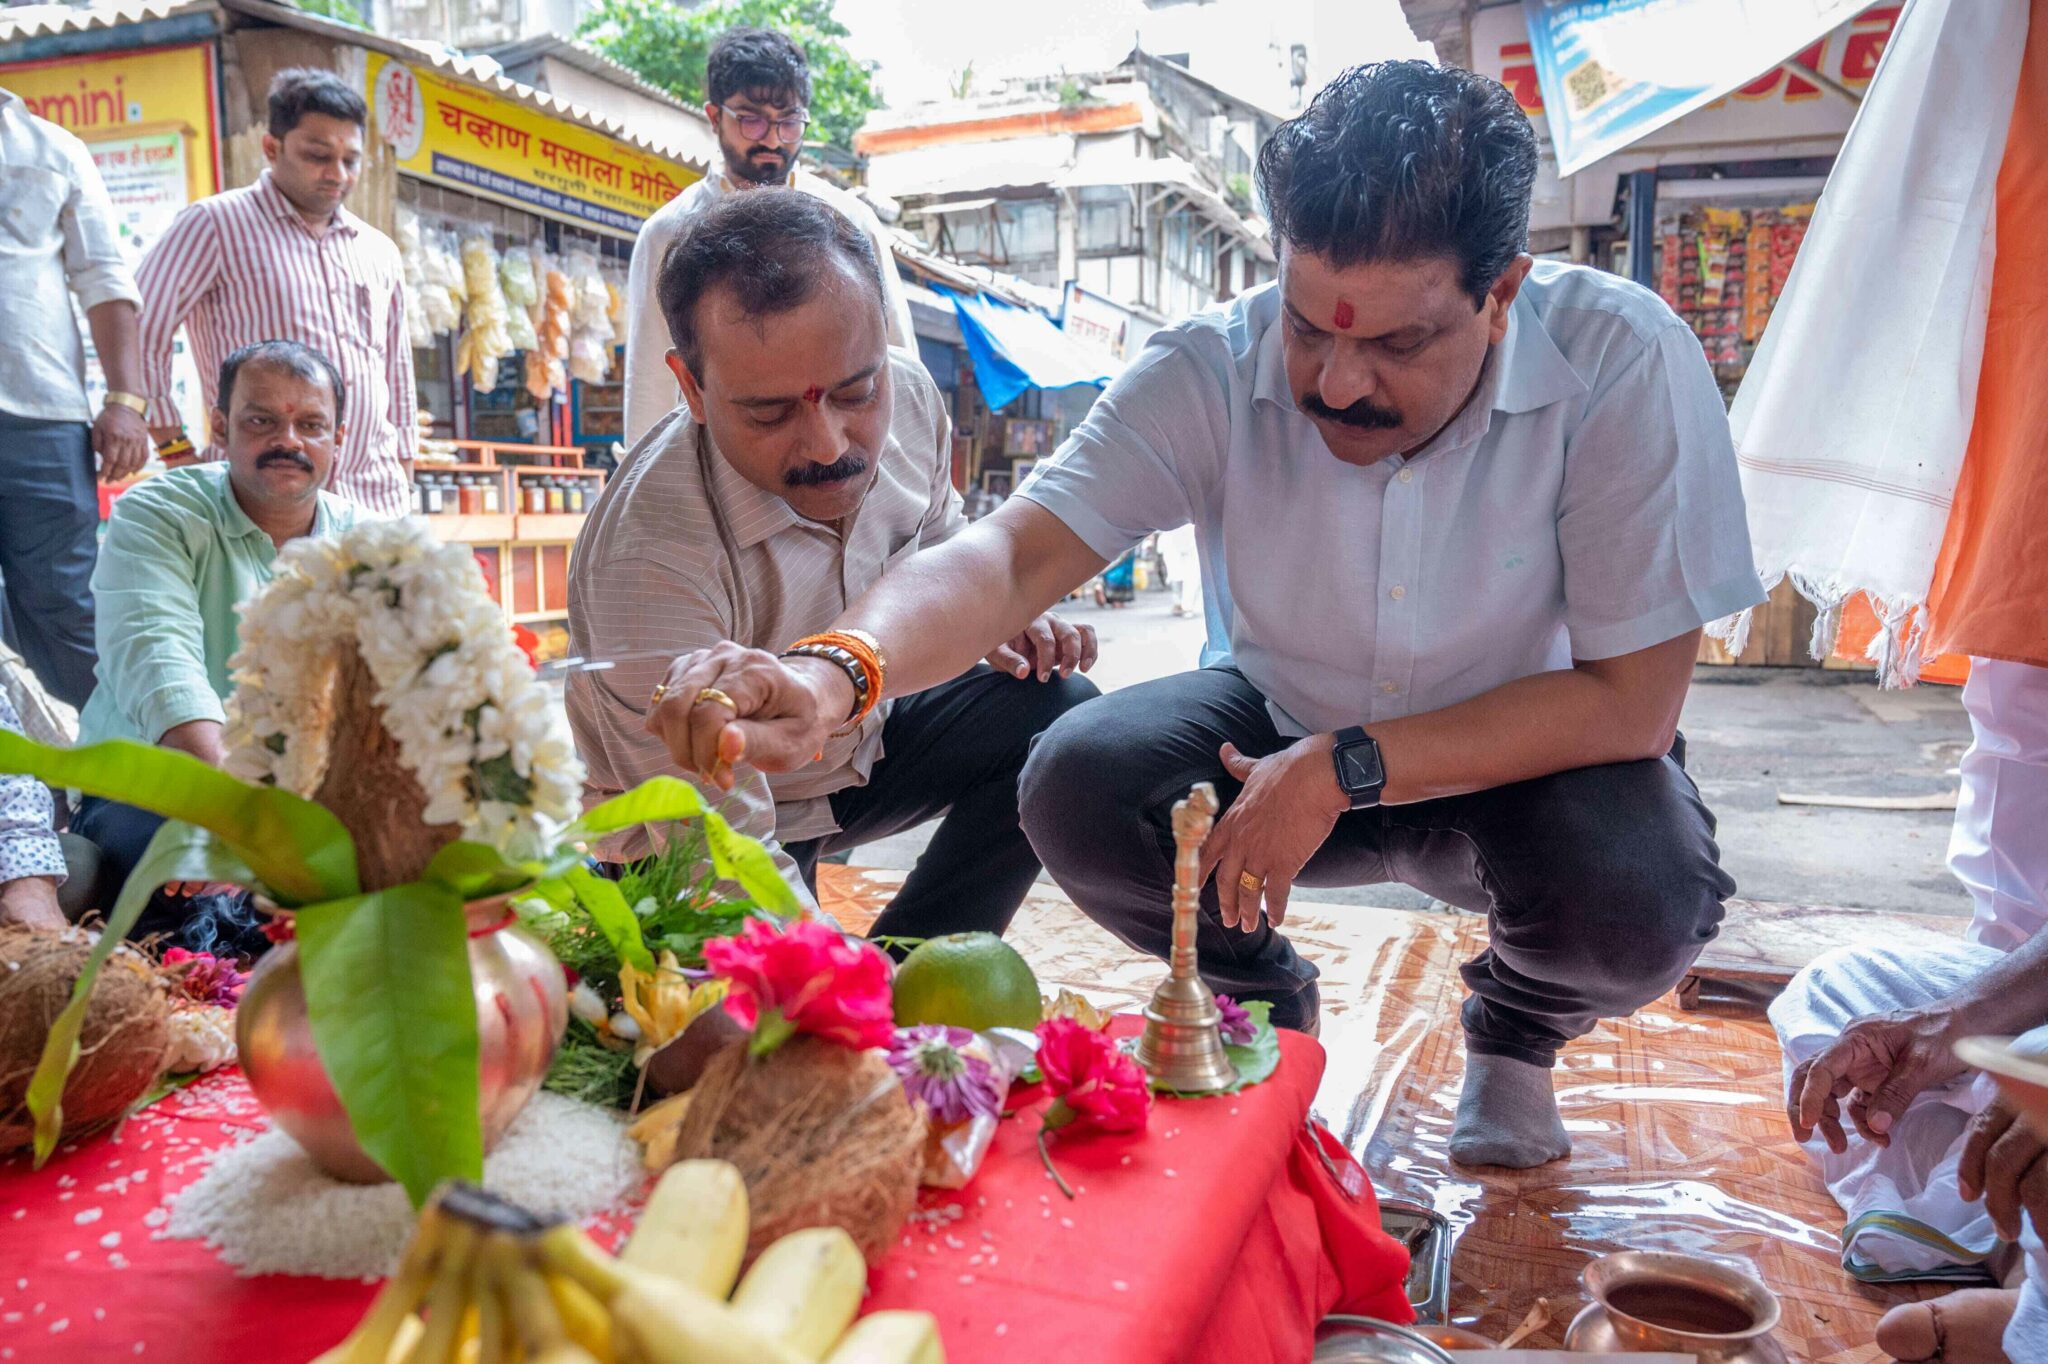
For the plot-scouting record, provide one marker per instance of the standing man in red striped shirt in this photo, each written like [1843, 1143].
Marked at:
[282, 260]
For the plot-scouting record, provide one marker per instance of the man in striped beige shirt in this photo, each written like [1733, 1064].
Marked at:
[807, 459]
[283, 260]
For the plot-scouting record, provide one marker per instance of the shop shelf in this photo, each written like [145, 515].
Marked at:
[547, 526]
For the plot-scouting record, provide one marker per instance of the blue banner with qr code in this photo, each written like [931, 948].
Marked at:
[1614, 71]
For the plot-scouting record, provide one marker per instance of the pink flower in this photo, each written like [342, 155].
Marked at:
[1092, 1081]
[206, 978]
[1237, 1027]
[804, 977]
[952, 1084]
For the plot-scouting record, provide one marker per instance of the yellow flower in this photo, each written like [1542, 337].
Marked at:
[663, 1002]
[1067, 1004]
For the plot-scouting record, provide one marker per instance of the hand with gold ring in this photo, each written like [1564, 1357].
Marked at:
[1285, 807]
[728, 702]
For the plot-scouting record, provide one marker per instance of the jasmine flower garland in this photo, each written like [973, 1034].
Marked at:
[471, 720]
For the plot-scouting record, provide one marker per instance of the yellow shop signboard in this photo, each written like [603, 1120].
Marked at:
[480, 141]
[140, 112]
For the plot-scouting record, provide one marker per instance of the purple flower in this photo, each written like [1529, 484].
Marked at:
[1237, 1027]
[951, 1084]
[207, 978]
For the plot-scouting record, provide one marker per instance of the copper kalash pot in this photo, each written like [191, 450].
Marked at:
[1650, 1301]
[522, 1010]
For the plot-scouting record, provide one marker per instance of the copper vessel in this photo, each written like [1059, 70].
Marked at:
[522, 1010]
[1645, 1302]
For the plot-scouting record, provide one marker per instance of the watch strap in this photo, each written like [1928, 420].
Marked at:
[1362, 783]
[135, 403]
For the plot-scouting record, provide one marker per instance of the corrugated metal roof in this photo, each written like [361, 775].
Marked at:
[19, 22]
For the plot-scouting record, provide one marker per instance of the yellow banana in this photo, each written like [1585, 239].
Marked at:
[376, 1337]
[448, 1300]
[891, 1338]
[660, 1320]
[695, 1228]
[583, 1317]
[805, 1289]
[494, 1339]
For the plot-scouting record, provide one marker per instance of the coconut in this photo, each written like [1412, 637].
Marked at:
[823, 1135]
[122, 1047]
[367, 782]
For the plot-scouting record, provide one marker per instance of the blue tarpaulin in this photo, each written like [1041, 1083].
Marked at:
[1016, 348]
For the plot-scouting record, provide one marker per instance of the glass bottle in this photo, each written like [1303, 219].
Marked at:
[431, 490]
[490, 484]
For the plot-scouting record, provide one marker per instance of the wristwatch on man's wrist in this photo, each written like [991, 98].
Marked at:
[133, 402]
[1361, 774]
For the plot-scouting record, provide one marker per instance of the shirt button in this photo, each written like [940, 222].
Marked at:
[1397, 592]
[1389, 688]
[1407, 475]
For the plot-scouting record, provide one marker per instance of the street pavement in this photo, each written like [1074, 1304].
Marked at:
[1751, 733]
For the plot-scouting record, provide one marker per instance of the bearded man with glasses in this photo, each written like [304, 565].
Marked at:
[757, 91]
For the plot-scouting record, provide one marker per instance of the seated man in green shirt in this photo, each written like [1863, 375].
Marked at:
[181, 552]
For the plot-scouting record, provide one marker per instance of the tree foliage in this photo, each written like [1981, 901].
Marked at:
[667, 45]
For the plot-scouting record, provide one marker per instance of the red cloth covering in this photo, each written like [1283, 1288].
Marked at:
[1218, 1234]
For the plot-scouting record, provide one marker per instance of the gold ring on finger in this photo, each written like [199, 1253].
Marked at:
[717, 698]
[660, 690]
[1251, 883]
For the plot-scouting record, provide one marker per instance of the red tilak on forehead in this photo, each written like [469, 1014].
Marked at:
[1343, 316]
[814, 395]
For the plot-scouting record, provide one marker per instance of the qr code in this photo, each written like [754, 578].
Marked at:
[1589, 84]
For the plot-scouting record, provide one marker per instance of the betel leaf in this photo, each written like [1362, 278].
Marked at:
[393, 1013]
[739, 859]
[1257, 1059]
[177, 852]
[298, 849]
[607, 907]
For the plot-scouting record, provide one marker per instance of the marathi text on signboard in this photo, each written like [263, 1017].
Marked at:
[478, 140]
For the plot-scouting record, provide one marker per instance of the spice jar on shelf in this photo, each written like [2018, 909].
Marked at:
[489, 486]
[536, 497]
[430, 494]
[578, 498]
[471, 497]
[558, 498]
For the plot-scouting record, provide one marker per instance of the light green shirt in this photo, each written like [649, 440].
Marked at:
[179, 556]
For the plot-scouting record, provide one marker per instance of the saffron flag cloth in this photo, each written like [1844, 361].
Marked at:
[1853, 422]
[1219, 1235]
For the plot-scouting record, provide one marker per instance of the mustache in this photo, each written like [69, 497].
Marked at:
[280, 455]
[838, 471]
[1364, 415]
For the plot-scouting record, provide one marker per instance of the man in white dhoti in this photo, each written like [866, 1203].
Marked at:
[1933, 1177]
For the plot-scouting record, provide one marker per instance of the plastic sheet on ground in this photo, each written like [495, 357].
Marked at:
[1679, 1139]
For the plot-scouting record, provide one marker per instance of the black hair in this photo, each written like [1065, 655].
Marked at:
[772, 250]
[1402, 160]
[759, 63]
[301, 90]
[290, 356]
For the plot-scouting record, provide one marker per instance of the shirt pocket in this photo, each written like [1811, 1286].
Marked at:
[30, 198]
[362, 314]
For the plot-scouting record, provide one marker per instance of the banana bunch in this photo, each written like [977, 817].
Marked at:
[487, 1282]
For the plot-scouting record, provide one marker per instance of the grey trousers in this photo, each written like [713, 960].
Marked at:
[49, 529]
[1601, 884]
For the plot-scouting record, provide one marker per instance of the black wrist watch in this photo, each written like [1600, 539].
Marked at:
[1360, 772]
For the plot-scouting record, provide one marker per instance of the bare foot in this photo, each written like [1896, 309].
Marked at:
[1966, 1327]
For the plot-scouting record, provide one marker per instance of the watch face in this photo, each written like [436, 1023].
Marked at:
[1361, 767]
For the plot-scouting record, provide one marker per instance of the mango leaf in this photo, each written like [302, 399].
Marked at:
[393, 1012]
[738, 858]
[477, 871]
[177, 852]
[607, 907]
[299, 850]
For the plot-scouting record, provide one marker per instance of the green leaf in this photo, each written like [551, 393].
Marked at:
[299, 850]
[1257, 1059]
[177, 852]
[393, 1013]
[612, 915]
[739, 859]
[477, 871]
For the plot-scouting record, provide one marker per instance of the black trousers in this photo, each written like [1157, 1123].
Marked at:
[1601, 884]
[955, 750]
[49, 541]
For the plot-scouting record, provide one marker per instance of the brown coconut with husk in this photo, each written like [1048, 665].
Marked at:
[365, 780]
[122, 1046]
[823, 1135]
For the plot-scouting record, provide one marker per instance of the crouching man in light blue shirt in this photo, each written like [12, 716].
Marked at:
[1461, 517]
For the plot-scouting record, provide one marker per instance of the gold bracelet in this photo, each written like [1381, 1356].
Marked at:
[138, 405]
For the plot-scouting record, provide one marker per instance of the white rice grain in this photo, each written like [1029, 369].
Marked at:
[266, 1210]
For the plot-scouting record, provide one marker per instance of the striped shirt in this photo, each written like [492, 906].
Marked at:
[243, 267]
[682, 552]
